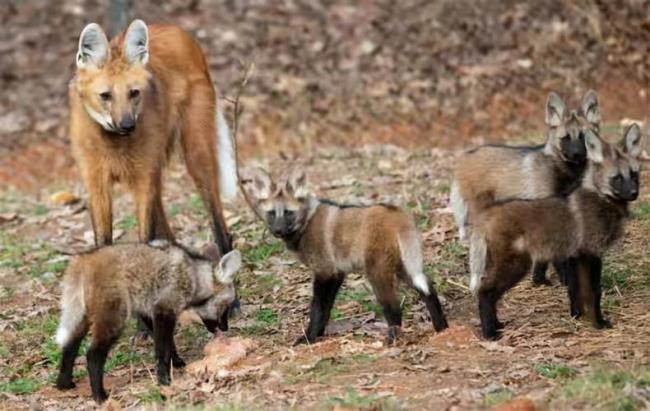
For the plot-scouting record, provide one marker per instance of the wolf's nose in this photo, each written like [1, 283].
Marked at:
[127, 124]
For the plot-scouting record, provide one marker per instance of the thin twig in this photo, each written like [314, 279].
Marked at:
[238, 110]
[459, 285]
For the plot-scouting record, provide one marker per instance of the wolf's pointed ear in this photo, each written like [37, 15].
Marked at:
[555, 110]
[93, 47]
[228, 267]
[631, 143]
[594, 146]
[136, 43]
[590, 109]
[297, 183]
[261, 185]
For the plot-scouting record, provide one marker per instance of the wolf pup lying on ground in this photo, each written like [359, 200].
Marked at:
[531, 172]
[102, 288]
[578, 228]
[333, 240]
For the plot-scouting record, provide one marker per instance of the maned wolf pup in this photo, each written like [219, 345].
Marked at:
[577, 228]
[104, 287]
[503, 172]
[333, 240]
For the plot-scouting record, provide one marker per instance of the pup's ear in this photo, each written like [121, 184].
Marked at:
[228, 267]
[555, 110]
[631, 143]
[297, 183]
[594, 146]
[590, 109]
[261, 186]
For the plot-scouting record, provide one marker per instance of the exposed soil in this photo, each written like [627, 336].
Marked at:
[411, 73]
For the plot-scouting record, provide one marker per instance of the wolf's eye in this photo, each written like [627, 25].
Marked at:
[618, 178]
[270, 214]
[289, 214]
[133, 93]
[105, 96]
[566, 138]
[634, 175]
[581, 136]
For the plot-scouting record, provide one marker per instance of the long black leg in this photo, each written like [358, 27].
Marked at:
[177, 361]
[563, 269]
[596, 269]
[487, 306]
[164, 323]
[325, 291]
[96, 358]
[68, 356]
[569, 270]
[539, 274]
[387, 298]
[435, 309]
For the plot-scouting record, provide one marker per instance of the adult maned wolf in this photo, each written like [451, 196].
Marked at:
[130, 101]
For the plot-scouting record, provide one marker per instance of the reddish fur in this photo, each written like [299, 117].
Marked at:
[177, 96]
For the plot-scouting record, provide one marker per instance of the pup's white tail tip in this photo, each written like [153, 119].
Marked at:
[459, 207]
[477, 261]
[73, 310]
[227, 162]
[410, 247]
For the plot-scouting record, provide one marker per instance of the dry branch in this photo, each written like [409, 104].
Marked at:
[238, 110]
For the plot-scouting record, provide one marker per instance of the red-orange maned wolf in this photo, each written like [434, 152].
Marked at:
[130, 100]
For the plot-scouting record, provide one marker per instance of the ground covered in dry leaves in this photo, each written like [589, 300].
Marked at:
[545, 359]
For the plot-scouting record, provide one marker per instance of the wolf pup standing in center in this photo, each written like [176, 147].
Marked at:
[333, 240]
[132, 101]
[577, 228]
[501, 172]
[154, 282]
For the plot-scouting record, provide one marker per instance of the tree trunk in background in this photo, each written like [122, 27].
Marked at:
[118, 16]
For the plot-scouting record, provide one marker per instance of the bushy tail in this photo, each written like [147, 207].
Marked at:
[227, 162]
[459, 207]
[410, 247]
[73, 311]
[477, 260]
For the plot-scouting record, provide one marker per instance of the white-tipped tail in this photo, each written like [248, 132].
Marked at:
[477, 259]
[410, 248]
[459, 207]
[227, 161]
[73, 310]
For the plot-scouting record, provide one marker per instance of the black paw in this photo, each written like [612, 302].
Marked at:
[542, 281]
[65, 384]
[163, 379]
[178, 362]
[393, 332]
[603, 323]
[491, 335]
[440, 325]
[303, 340]
[100, 396]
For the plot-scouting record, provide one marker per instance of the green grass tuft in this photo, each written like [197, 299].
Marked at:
[265, 249]
[555, 371]
[20, 386]
[128, 223]
[609, 390]
[495, 398]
